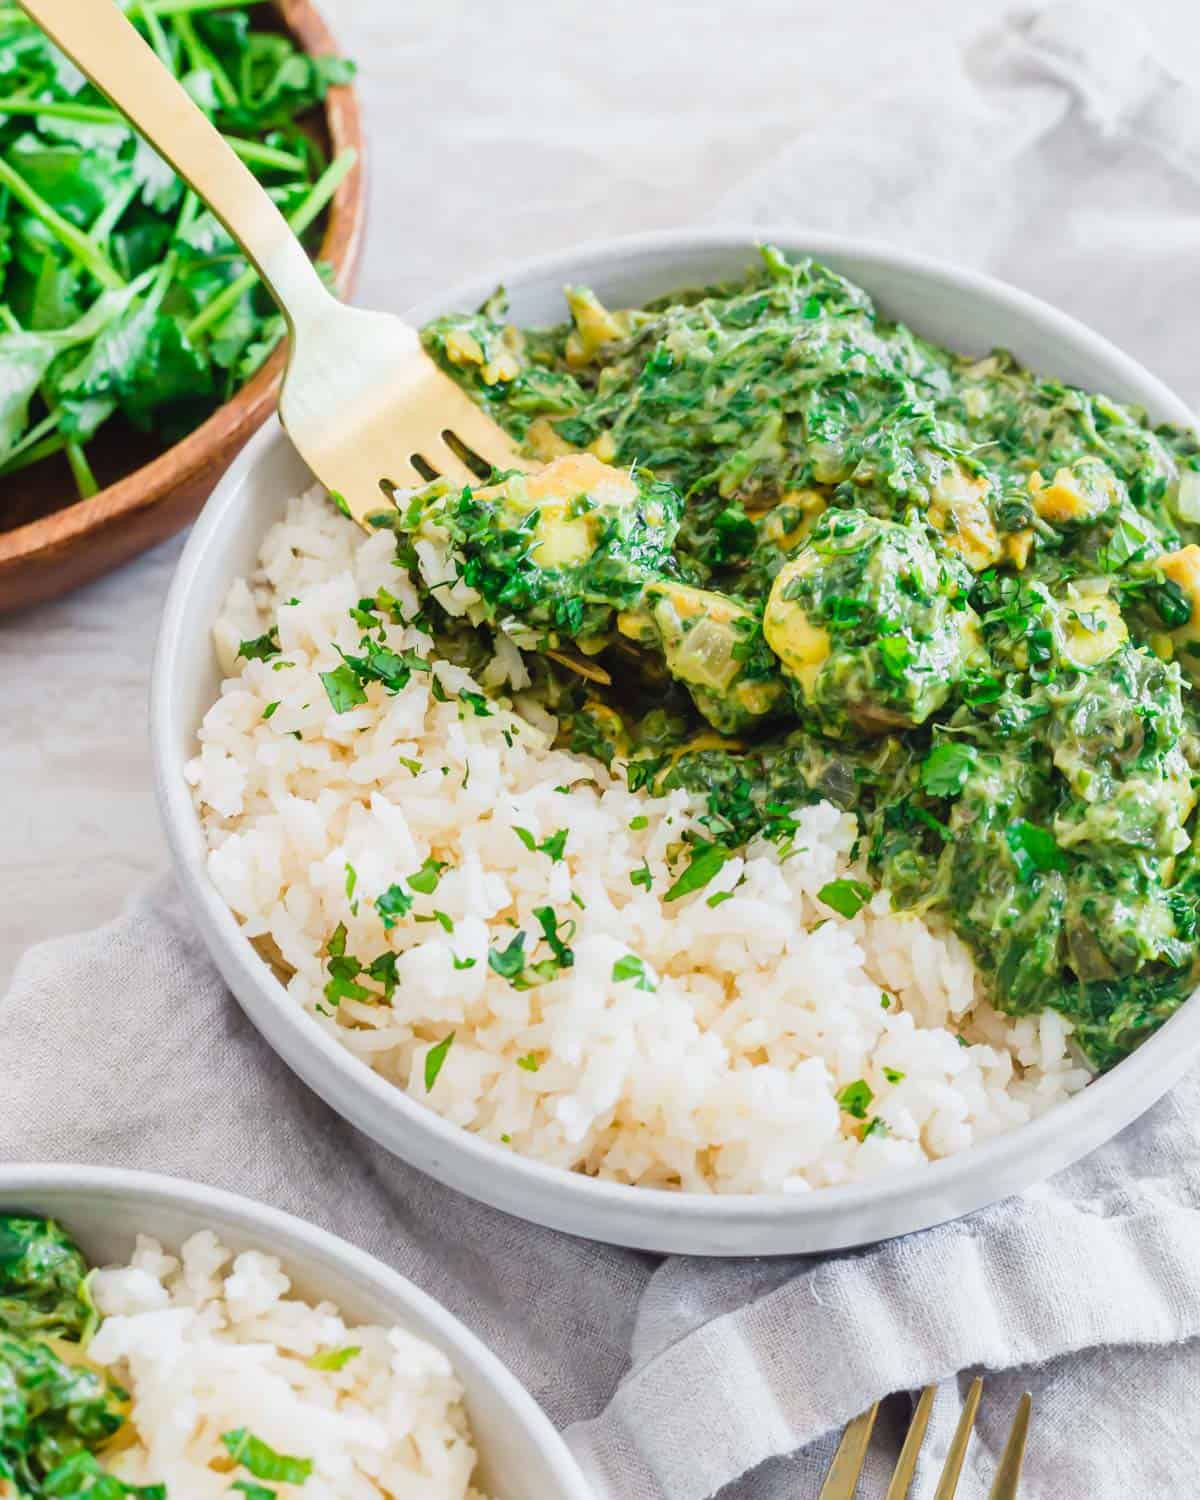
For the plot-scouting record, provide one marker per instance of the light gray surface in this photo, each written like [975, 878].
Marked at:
[1095, 1276]
[497, 130]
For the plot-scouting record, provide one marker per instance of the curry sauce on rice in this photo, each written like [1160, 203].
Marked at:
[789, 781]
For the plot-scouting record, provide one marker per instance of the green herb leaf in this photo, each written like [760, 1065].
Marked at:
[426, 878]
[529, 1062]
[944, 773]
[705, 861]
[343, 688]
[463, 963]
[262, 1461]
[893, 1075]
[262, 647]
[631, 967]
[1035, 850]
[270, 709]
[846, 897]
[334, 1359]
[855, 1098]
[393, 904]
[434, 1059]
[508, 962]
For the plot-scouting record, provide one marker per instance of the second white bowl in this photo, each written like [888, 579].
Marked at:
[103, 1209]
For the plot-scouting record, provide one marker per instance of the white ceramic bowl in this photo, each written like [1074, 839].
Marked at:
[520, 1453]
[957, 308]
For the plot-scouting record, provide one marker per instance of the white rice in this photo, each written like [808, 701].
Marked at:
[207, 1344]
[723, 1077]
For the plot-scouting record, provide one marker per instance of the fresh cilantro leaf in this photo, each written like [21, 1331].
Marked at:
[270, 709]
[529, 1062]
[262, 647]
[434, 1059]
[846, 897]
[634, 968]
[343, 688]
[393, 904]
[876, 1126]
[642, 876]
[1035, 850]
[334, 1359]
[855, 1098]
[944, 772]
[705, 861]
[508, 962]
[426, 879]
[717, 897]
[263, 1461]
[549, 924]
[893, 1075]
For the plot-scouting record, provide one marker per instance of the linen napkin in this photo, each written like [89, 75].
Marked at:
[1060, 153]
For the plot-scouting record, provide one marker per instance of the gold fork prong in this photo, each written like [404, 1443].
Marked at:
[906, 1464]
[842, 1479]
[948, 1483]
[1008, 1475]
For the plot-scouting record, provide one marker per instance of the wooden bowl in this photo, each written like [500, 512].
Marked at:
[57, 548]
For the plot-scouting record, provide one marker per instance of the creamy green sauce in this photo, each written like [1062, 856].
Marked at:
[956, 598]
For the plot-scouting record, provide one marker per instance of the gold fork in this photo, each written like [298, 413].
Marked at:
[841, 1481]
[361, 399]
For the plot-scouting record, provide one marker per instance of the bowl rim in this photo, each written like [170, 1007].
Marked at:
[38, 541]
[643, 1217]
[288, 1236]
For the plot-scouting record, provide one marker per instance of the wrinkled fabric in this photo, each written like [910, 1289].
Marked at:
[1059, 153]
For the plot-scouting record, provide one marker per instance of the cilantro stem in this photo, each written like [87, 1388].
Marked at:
[80, 246]
[85, 480]
[253, 152]
[158, 39]
[30, 456]
[203, 58]
[318, 196]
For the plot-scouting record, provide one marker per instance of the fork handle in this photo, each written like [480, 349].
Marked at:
[98, 38]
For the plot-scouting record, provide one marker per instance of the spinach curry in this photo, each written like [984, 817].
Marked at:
[56, 1411]
[786, 550]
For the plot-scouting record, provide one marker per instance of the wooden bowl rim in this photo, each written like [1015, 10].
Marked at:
[341, 248]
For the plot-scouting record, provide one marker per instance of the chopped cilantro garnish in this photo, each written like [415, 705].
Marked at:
[846, 897]
[262, 647]
[1035, 850]
[876, 1126]
[529, 1062]
[508, 962]
[642, 876]
[412, 765]
[549, 924]
[718, 897]
[434, 1059]
[263, 1461]
[426, 878]
[393, 904]
[944, 773]
[855, 1098]
[705, 861]
[343, 688]
[893, 1075]
[463, 963]
[633, 967]
[641, 821]
[334, 1359]
[270, 709]
[478, 703]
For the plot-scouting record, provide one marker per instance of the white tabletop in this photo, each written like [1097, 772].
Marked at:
[497, 130]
